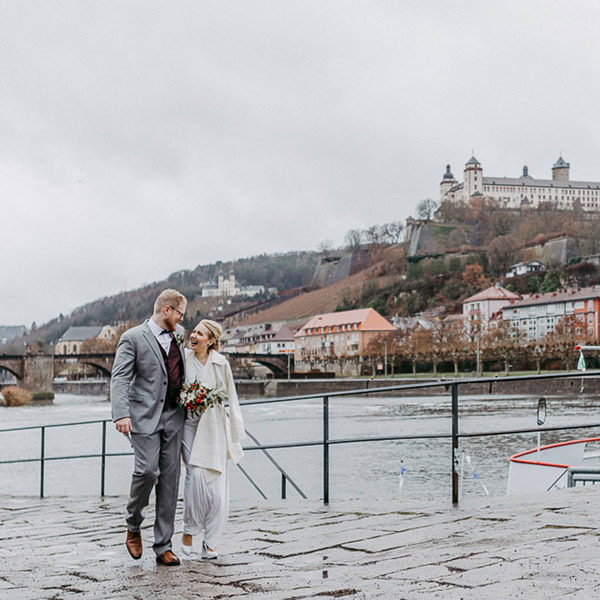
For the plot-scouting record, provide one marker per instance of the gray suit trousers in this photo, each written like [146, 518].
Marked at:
[157, 461]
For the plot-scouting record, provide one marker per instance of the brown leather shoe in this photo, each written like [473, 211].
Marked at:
[167, 558]
[134, 544]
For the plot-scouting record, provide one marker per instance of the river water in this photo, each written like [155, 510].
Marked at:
[357, 471]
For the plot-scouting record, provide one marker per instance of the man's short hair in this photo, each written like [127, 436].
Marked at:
[168, 297]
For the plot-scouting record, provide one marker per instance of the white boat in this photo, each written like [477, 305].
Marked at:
[553, 467]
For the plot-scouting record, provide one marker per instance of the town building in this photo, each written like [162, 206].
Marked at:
[479, 309]
[345, 333]
[231, 338]
[72, 340]
[537, 315]
[260, 338]
[227, 287]
[522, 268]
[524, 191]
[281, 343]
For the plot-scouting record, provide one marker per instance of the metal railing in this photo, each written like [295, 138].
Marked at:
[43, 459]
[326, 442]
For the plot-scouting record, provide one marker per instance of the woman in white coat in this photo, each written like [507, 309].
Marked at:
[208, 441]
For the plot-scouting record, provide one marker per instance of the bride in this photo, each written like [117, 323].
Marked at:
[208, 441]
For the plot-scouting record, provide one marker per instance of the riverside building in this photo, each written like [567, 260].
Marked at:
[521, 192]
[340, 334]
[480, 308]
[537, 315]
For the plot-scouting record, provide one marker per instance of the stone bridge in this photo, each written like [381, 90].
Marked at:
[36, 372]
[101, 361]
[278, 363]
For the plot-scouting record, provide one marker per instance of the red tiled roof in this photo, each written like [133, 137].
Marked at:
[367, 319]
[495, 292]
[565, 296]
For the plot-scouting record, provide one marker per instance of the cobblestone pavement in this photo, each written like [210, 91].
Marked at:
[543, 546]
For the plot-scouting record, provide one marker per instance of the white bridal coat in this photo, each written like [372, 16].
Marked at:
[216, 374]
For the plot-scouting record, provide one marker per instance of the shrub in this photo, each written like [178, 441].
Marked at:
[15, 396]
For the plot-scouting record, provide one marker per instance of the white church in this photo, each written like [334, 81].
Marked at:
[523, 191]
[227, 286]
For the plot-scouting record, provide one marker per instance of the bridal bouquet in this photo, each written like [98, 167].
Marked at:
[196, 398]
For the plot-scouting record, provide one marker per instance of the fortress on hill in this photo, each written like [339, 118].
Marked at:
[524, 191]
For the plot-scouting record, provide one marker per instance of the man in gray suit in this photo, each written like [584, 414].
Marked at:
[145, 384]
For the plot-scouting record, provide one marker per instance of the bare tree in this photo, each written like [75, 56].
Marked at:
[325, 247]
[503, 342]
[426, 208]
[501, 253]
[567, 333]
[415, 347]
[457, 345]
[373, 236]
[353, 239]
[538, 350]
[392, 232]
[384, 345]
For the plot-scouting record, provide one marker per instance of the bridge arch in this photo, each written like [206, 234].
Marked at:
[101, 362]
[11, 371]
[273, 365]
[278, 363]
[62, 365]
[13, 365]
[102, 368]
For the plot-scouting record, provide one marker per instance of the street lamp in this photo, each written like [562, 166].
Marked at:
[385, 358]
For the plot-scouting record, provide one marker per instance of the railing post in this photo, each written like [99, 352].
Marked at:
[325, 449]
[103, 467]
[283, 482]
[454, 389]
[42, 457]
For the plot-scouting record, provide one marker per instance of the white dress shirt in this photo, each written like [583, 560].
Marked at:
[163, 337]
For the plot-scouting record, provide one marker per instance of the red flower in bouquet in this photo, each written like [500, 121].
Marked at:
[196, 398]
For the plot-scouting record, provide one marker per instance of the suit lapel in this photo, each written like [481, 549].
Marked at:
[182, 351]
[153, 343]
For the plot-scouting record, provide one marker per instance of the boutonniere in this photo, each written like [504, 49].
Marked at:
[179, 339]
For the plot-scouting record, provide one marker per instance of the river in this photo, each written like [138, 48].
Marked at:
[357, 471]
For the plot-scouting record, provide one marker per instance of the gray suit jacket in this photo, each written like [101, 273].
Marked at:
[138, 384]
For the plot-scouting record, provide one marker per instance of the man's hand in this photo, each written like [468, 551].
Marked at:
[123, 425]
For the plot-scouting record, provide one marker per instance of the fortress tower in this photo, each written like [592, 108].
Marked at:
[560, 170]
[473, 178]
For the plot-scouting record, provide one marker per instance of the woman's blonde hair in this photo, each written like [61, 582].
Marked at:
[215, 332]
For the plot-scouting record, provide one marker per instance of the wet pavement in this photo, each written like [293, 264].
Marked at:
[542, 546]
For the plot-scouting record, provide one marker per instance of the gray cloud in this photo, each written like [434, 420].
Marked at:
[235, 128]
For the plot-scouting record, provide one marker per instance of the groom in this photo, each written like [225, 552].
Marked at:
[145, 384]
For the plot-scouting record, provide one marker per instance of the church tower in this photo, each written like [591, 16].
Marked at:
[232, 290]
[448, 182]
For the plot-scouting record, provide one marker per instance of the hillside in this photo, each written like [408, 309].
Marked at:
[362, 287]
[442, 262]
[281, 271]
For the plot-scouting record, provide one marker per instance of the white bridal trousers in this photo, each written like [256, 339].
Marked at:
[205, 505]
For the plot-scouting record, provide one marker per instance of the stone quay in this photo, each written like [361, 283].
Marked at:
[538, 546]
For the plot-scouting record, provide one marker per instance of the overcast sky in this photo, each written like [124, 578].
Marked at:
[138, 138]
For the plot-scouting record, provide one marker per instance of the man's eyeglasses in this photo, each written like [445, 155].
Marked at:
[181, 315]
